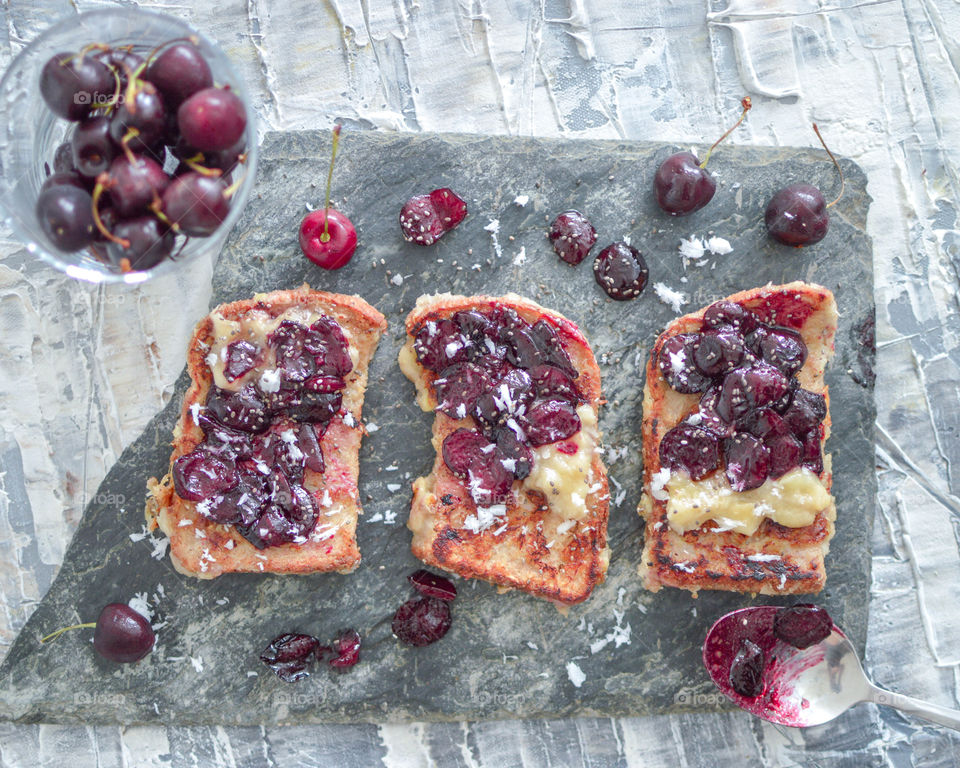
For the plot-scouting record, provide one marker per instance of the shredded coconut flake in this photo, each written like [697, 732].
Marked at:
[397, 279]
[672, 298]
[719, 246]
[521, 200]
[692, 248]
[763, 558]
[657, 483]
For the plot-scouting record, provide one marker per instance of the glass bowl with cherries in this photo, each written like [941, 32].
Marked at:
[129, 145]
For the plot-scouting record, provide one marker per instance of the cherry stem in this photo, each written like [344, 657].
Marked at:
[835, 164]
[97, 192]
[746, 103]
[118, 87]
[156, 207]
[232, 189]
[325, 236]
[194, 164]
[54, 635]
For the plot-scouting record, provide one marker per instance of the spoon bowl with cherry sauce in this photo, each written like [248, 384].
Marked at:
[793, 666]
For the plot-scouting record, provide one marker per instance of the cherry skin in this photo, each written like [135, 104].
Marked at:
[340, 243]
[682, 186]
[797, 215]
[122, 634]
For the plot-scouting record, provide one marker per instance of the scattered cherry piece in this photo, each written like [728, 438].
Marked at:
[421, 621]
[572, 235]
[424, 219]
[432, 585]
[290, 656]
[621, 271]
[346, 646]
[746, 671]
[802, 625]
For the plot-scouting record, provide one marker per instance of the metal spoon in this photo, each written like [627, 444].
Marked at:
[802, 687]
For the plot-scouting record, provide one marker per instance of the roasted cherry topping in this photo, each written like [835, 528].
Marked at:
[261, 438]
[746, 671]
[421, 621]
[514, 380]
[761, 423]
[802, 625]
[572, 236]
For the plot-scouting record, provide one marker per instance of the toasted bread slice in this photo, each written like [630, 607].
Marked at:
[552, 545]
[203, 548]
[774, 559]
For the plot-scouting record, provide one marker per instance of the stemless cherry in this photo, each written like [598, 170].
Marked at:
[802, 625]
[201, 474]
[748, 461]
[678, 366]
[70, 82]
[421, 621]
[621, 271]
[718, 351]
[196, 204]
[328, 238]
[572, 235]
[682, 184]
[65, 213]
[212, 119]
[798, 214]
[727, 313]
[93, 146]
[179, 72]
[692, 449]
[143, 243]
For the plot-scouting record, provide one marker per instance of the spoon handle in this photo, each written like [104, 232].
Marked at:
[933, 712]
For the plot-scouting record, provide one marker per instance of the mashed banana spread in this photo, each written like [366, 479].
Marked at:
[255, 326]
[792, 500]
[566, 478]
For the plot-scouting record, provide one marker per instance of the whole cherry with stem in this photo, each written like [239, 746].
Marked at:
[798, 214]
[327, 237]
[121, 634]
[682, 183]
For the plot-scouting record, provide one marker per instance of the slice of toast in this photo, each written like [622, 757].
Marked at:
[202, 547]
[774, 559]
[548, 535]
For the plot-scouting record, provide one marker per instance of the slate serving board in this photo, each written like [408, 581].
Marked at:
[506, 655]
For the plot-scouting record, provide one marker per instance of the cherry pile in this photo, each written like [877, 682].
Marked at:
[799, 626]
[424, 620]
[249, 469]
[292, 656]
[136, 113]
[753, 416]
[513, 379]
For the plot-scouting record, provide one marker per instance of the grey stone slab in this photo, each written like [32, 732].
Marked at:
[506, 654]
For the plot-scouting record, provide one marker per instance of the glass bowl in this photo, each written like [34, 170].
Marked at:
[31, 133]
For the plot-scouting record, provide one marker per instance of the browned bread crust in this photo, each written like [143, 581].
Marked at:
[530, 553]
[703, 559]
[205, 549]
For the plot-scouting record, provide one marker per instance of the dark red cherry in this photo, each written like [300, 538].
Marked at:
[514, 454]
[682, 185]
[805, 412]
[812, 457]
[621, 271]
[290, 656]
[421, 621]
[677, 364]
[202, 474]
[93, 147]
[746, 670]
[242, 356]
[196, 204]
[472, 457]
[212, 119]
[748, 461]
[122, 634]
[346, 647]
[134, 184]
[797, 215]
[458, 388]
[62, 178]
[65, 213]
[802, 625]
[243, 410]
[328, 238]
[572, 236]
[727, 313]
[432, 585]
[692, 449]
[439, 344]
[146, 242]
[179, 72]
[551, 347]
[548, 421]
[552, 383]
[784, 349]
[424, 219]
[718, 351]
[710, 418]
[140, 123]
[70, 84]
[785, 453]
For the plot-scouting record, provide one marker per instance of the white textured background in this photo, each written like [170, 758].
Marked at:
[82, 370]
